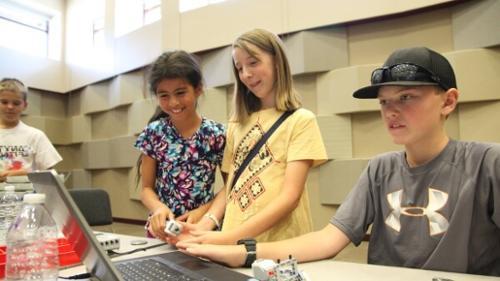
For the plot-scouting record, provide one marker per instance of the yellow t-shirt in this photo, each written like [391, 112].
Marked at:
[297, 138]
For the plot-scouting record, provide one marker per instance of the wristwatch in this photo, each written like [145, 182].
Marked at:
[251, 247]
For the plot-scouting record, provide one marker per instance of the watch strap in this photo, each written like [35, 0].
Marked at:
[251, 247]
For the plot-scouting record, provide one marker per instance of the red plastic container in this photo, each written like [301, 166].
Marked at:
[67, 256]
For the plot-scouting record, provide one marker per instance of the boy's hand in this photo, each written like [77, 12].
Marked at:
[3, 176]
[211, 237]
[231, 255]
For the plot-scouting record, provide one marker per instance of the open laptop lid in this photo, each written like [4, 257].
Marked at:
[73, 225]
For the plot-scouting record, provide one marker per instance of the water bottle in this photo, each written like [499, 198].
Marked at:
[9, 207]
[32, 252]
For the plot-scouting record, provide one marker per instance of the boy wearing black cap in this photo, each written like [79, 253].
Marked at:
[435, 205]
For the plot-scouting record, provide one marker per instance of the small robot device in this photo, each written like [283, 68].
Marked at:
[173, 228]
[287, 270]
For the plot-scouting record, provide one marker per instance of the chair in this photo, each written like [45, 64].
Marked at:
[94, 204]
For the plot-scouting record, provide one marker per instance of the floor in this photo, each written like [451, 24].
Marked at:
[349, 254]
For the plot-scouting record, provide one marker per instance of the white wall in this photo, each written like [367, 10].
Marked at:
[197, 30]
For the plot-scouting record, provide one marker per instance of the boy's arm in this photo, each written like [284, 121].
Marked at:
[322, 244]
[10, 173]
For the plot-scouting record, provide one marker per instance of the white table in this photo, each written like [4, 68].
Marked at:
[325, 270]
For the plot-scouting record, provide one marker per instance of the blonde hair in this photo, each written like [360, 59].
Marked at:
[14, 85]
[245, 102]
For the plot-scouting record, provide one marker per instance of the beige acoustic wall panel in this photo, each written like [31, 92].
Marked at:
[338, 177]
[217, 67]
[35, 121]
[305, 84]
[373, 41]
[75, 104]
[479, 121]
[139, 113]
[320, 213]
[218, 25]
[81, 128]
[127, 88]
[306, 14]
[476, 24]
[212, 104]
[79, 178]
[134, 187]
[477, 72]
[110, 123]
[72, 157]
[229, 100]
[34, 99]
[95, 154]
[317, 50]
[53, 104]
[117, 183]
[452, 125]
[95, 97]
[58, 130]
[335, 90]
[109, 153]
[336, 132]
[122, 152]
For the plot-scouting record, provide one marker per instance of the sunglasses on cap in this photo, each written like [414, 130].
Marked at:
[405, 72]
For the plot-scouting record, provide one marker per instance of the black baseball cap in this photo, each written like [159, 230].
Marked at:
[410, 67]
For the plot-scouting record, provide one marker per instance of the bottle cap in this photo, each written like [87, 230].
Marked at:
[9, 188]
[34, 198]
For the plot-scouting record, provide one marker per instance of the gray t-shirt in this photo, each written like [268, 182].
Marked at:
[444, 215]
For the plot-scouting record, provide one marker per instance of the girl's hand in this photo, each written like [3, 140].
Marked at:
[157, 222]
[185, 234]
[211, 237]
[195, 215]
[231, 255]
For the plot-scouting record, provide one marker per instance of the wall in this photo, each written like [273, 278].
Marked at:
[95, 124]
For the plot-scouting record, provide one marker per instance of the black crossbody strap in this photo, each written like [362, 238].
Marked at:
[258, 145]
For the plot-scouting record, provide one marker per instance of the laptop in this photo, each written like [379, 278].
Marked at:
[73, 225]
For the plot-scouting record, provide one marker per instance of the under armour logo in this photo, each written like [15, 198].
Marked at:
[437, 199]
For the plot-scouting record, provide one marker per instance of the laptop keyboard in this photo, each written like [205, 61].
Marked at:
[150, 269]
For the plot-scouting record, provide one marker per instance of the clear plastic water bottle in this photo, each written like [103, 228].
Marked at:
[10, 204]
[32, 252]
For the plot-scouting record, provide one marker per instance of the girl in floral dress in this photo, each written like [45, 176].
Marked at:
[180, 149]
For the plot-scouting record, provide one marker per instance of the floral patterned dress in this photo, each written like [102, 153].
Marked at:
[185, 168]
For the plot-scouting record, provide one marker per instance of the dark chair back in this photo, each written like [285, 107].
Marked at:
[94, 204]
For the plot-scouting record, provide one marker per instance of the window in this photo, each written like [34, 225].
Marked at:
[151, 11]
[134, 14]
[24, 30]
[98, 36]
[187, 5]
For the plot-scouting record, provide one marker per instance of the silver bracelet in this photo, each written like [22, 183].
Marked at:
[214, 219]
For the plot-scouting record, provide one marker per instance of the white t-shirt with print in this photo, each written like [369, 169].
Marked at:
[26, 147]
